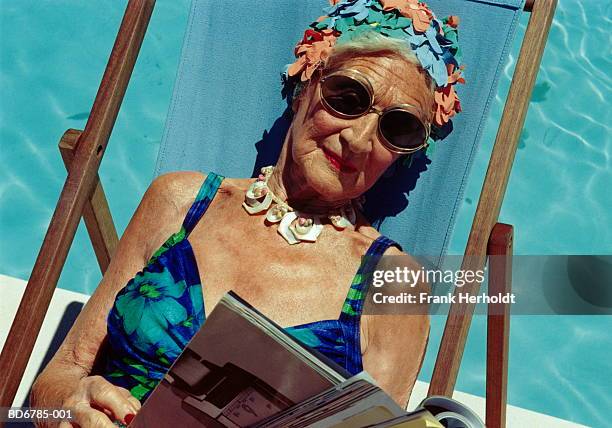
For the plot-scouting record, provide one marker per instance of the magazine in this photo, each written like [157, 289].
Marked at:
[356, 402]
[243, 370]
[237, 370]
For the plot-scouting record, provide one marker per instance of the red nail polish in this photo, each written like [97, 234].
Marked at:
[128, 418]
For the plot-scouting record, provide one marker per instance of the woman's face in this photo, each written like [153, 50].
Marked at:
[338, 158]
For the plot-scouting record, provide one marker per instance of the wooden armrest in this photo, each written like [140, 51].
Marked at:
[493, 189]
[498, 324]
[77, 189]
[96, 213]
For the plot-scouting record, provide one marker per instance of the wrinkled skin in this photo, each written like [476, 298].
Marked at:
[290, 284]
[307, 175]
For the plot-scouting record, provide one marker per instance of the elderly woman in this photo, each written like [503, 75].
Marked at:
[372, 83]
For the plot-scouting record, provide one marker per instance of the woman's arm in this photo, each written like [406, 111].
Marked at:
[159, 214]
[395, 351]
[393, 344]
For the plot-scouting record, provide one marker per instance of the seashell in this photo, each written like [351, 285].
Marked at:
[283, 228]
[339, 222]
[267, 170]
[254, 193]
[345, 219]
[293, 226]
[302, 226]
[304, 221]
[258, 192]
[309, 232]
[257, 206]
[276, 213]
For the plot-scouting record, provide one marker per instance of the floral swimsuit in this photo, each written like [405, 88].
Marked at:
[159, 310]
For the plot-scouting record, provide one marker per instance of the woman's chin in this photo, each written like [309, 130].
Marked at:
[334, 185]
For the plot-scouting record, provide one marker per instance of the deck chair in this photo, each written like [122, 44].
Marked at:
[202, 133]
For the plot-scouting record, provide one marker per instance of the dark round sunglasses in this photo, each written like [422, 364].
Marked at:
[348, 94]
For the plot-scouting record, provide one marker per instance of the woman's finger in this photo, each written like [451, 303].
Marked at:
[135, 402]
[87, 417]
[107, 396]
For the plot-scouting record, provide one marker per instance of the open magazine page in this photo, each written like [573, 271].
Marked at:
[354, 403]
[232, 374]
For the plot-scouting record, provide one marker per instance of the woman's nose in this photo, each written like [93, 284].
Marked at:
[360, 133]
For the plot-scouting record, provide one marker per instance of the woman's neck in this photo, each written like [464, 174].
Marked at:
[289, 186]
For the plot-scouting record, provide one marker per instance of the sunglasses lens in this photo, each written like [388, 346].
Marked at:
[402, 129]
[345, 95]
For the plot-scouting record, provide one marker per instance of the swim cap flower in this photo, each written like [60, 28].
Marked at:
[434, 42]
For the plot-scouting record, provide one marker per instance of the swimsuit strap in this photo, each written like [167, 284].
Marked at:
[353, 304]
[202, 201]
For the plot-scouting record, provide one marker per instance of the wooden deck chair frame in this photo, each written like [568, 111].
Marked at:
[82, 195]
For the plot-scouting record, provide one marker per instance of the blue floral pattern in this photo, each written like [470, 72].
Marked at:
[157, 313]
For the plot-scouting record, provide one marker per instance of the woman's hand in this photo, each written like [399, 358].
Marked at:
[97, 403]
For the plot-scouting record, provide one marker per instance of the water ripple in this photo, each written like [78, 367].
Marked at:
[557, 198]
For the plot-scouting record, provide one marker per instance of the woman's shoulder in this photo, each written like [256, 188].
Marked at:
[368, 234]
[178, 188]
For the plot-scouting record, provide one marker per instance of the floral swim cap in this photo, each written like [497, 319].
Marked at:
[435, 43]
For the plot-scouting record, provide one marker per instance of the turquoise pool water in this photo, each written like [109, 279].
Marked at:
[52, 55]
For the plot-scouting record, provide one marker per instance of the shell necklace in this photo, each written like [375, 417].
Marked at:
[294, 226]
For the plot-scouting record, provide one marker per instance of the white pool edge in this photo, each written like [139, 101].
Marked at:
[11, 290]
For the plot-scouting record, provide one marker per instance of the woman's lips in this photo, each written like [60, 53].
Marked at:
[338, 163]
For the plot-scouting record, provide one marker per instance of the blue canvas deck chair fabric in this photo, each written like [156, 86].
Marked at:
[227, 116]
